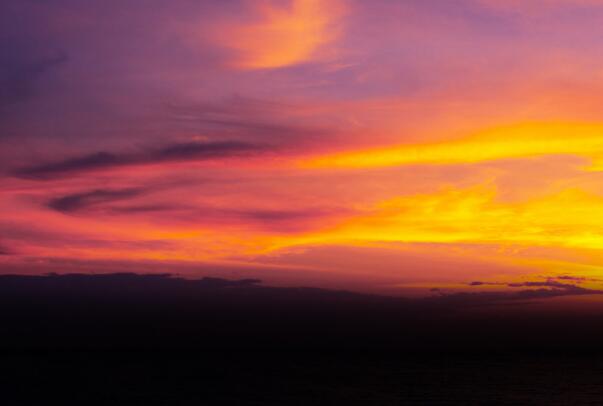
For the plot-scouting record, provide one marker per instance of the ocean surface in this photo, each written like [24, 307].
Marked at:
[299, 378]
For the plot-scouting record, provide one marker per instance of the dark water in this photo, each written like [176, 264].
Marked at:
[292, 378]
[127, 339]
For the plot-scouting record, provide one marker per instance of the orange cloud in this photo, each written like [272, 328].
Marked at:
[285, 36]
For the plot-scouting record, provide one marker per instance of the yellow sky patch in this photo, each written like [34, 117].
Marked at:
[517, 141]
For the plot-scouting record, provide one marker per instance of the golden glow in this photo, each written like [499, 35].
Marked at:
[569, 218]
[519, 141]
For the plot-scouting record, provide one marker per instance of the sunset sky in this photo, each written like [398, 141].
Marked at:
[380, 146]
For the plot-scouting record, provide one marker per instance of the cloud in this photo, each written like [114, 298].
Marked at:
[282, 36]
[576, 278]
[209, 282]
[57, 240]
[548, 284]
[477, 215]
[471, 299]
[517, 141]
[143, 208]
[272, 220]
[547, 288]
[200, 151]
[280, 215]
[95, 161]
[245, 117]
[113, 202]
[477, 283]
[181, 152]
[275, 220]
[80, 201]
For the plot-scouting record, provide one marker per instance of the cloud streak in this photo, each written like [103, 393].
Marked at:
[182, 152]
[520, 141]
[80, 201]
[114, 202]
[551, 287]
[246, 117]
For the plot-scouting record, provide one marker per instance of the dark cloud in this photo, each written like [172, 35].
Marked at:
[171, 153]
[476, 283]
[102, 201]
[80, 201]
[549, 283]
[99, 160]
[547, 288]
[199, 151]
[274, 220]
[280, 215]
[218, 215]
[209, 282]
[576, 278]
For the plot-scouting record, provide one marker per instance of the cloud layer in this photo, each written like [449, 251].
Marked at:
[383, 146]
[192, 151]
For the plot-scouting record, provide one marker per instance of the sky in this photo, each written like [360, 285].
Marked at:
[386, 146]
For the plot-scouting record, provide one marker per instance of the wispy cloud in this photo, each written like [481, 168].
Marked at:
[283, 35]
[519, 141]
[250, 118]
[182, 152]
[80, 201]
[116, 202]
[551, 287]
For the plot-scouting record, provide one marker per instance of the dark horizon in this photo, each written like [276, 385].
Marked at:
[132, 339]
[128, 310]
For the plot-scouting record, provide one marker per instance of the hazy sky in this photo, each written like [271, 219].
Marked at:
[384, 145]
